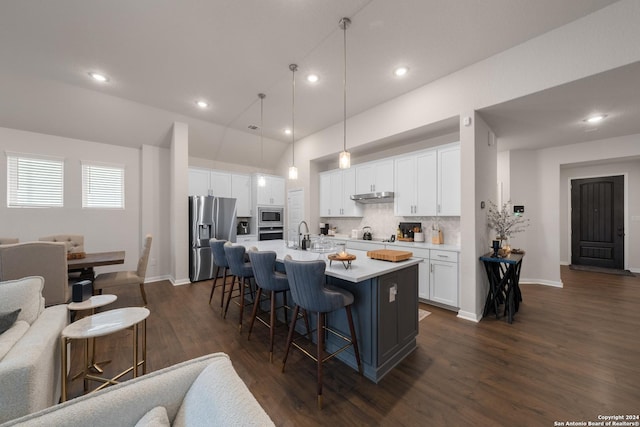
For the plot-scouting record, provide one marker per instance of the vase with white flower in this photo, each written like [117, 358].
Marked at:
[505, 223]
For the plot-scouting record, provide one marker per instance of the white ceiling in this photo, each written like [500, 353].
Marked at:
[166, 54]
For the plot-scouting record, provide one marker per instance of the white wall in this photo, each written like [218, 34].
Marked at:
[540, 187]
[154, 210]
[628, 168]
[103, 229]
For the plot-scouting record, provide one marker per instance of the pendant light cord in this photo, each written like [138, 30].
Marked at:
[344, 23]
[293, 68]
[261, 96]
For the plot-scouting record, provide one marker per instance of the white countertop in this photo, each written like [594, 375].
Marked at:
[362, 268]
[422, 245]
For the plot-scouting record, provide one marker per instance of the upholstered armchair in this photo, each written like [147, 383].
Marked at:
[123, 278]
[46, 259]
[73, 242]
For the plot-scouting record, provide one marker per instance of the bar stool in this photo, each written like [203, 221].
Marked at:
[274, 282]
[308, 288]
[220, 260]
[243, 274]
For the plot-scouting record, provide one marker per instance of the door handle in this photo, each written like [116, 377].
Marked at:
[620, 232]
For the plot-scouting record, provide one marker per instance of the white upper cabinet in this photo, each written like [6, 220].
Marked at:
[209, 182]
[241, 191]
[374, 177]
[199, 182]
[220, 183]
[272, 194]
[415, 189]
[336, 188]
[427, 183]
[449, 181]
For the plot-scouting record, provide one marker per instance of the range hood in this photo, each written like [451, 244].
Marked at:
[380, 197]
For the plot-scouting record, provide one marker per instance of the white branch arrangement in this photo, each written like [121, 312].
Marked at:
[504, 222]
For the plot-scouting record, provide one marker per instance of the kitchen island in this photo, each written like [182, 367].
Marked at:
[385, 308]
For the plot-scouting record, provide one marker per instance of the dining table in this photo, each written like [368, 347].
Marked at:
[91, 260]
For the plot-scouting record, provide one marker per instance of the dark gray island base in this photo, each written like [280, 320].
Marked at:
[385, 308]
[386, 329]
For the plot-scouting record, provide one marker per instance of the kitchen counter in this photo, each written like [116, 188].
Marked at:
[385, 307]
[362, 268]
[421, 245]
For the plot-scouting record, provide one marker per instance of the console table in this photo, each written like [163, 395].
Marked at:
[503, 274]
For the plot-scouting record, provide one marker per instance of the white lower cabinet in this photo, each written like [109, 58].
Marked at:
[443, 277]
[423, 270]
[244, 238]
[438, 277]
[364, 245]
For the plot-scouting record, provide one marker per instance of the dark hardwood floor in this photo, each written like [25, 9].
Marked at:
[571, 354]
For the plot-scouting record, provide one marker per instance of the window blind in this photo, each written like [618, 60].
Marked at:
[34, 181]
[102, 186]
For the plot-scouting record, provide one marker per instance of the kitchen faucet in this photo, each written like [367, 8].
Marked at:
[300, 234]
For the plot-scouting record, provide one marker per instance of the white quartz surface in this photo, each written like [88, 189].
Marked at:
[390, 245]
[93, 302]
[105, 323]
[362, 268]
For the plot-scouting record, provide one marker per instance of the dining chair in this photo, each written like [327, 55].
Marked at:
[122, 278]
[273, 282]
[308, 289]
[243, 273]
[220, 260]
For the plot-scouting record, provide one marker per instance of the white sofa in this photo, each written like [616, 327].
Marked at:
[205, 391]
[30, 349]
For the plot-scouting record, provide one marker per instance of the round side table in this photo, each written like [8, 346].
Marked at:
[92, 303]
[101, 324]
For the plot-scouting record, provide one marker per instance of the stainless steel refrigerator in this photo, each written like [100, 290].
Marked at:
[209, 217]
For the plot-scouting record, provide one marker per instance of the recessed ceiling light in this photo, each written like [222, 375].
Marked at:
[595, 119]
[287, 131]
[202, 104]
[400, 71]
[98, 77]
[313, 78]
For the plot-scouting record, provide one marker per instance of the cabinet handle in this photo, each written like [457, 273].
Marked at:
[443, 256]
[438, 208]
[431, 268]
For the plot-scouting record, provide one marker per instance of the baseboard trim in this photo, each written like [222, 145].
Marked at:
[634, 270]
[467, 315]
[180, 282]
[553, 283]
[565, 263]
[156, 279]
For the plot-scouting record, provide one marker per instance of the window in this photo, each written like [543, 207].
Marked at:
[34, 181]
[102, 186]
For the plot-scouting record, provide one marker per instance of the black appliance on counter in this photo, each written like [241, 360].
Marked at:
[243, 227]
[324, 228]
[406, 228]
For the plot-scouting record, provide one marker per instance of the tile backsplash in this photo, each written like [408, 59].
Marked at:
[383, 223]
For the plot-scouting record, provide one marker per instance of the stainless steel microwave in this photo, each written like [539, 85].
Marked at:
[270, 217]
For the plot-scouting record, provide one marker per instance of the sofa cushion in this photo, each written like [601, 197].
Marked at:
[23, 293]
[11, 336]
[220, 397]
[8, 319]
[156, 417]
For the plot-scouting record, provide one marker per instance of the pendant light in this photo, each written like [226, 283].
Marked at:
[344, 160]
[293, 170]
[262, 181]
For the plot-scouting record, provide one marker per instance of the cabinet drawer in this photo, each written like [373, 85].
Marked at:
[437, 255]
[419, 252]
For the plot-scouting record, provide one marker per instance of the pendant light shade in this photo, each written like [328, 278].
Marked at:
[344, 161]
[262, 181]
[293, 170]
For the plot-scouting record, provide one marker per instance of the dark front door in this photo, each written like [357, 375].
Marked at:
[597, 222]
